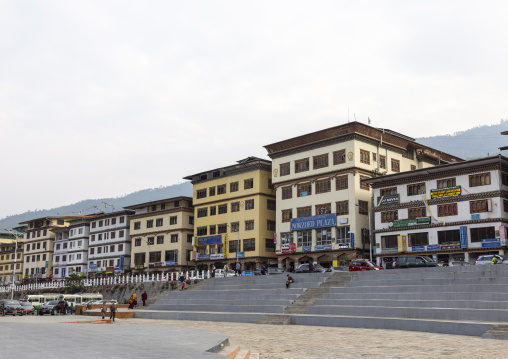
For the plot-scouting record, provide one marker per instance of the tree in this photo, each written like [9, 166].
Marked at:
[74, 283]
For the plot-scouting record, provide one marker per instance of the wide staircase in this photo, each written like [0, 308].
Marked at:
[455, 300]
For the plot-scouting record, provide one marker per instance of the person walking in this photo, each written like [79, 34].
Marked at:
[133, 301]
[66, 307]
[238, 267]
[104, 309]
[112, 309]
[182, 281]
[494, 260]
[289, 281]
[144, 298]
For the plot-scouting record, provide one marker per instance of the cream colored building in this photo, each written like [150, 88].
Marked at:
[161, 235]
[234, 210]
[11, 261]
[322, 207]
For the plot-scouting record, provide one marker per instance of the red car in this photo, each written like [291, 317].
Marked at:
[362, 265]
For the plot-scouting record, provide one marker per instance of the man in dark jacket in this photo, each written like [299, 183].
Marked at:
[144, 298]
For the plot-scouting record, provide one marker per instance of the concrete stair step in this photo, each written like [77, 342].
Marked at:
[466, 288]
[274, 319]
[472, 304]
[497, 332]
[486, 296]
[221, 308]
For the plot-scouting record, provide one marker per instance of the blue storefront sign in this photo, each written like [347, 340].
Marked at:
[389, 250]
[475, 216]
[418, 248]
[210, 239]
[170, 263]
[463, 237]
[63, 272]
[323, 248]
[492, 242]
[433, 247]
[321, 221]
[203, 257]
[240, 254]
[306, 248]
[352, 240]
[93, 267]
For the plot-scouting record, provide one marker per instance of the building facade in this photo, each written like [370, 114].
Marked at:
[161, 235]
[11, 260]
[234, 210]
[322, 204]
[451, 212]
[108, 244]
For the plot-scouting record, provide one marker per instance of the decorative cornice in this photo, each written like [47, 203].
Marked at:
[232, 199]
[330, 174]
[436, 225]
[161, 213]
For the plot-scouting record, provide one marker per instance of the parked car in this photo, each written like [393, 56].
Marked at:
[458, 263]
[360, 265]
[221, 273]
[28, 307]
[11, 307]
[414, 262]
[248, 273]
[50, 307]
[305, 268]
[275, 270]
[483, 260]
[340, 269]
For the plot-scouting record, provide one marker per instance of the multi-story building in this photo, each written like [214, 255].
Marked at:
[109, 244]
[451, 212]
[322, 205]
[39, 241]
[60, 253]
[161, 235]
[11, 260]
[234, 209]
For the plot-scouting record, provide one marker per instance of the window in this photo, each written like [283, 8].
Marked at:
[287, 192]
[477, 234]
[270, 205]
[418, 239]
[171, 256]
[150, 240]
[269, 245]
[323, 209]
[248, 183]
[304, 212]
[408, 154]
[415, 189]
[101, 223]
[395, 165]
[389, 216]
[163, 206]
[149, 223]
[122, 219]
[160, 239]
[505, 205]
[213, 211]
[137, 225]
[339, 157]
[173, 220]
[286, 238]
[211, 191]
[364, 185]
[365, 157]
[121, 234]
[479, 206]
[388, 191]
[202, 212]
[191, 219]
[323, 186]
[447, 237]
[374, 157]
[285, 169]
[202, 231]
[189, 238]
[417, 212]
[154, 208]
[304, 238]
[201, 193]
[158, 222]
[235, 206]
[304, 190]
[302, 165]
[120, 247]
[389, 242]
[174, 238]
[213, 229]
[342, 208]
[223, 208]
[233, 246]
[323, 236]
[249, 245]
[249, 204]
[222, 228]
[235, 226]
[341, 182]
[413, 167]
[155, 257]
[504, 179]
[113, 235]
[270, 225]
[287, 215]
[363, 207]
[382, 162]
[320, 161]
[343, 234]
[249, 225]
[221, 189]
[446, 183]
[479, 180]
[233, 187]
[447, 210]
[94, 224]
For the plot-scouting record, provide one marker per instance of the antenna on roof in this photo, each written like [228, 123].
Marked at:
[368, 119]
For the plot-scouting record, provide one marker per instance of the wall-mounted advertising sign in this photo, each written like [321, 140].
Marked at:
[389, 250]
[433, 247]
[418, 248]
[503, 232]
[450, 246]
[210, 239]
[217, 256]
[445, 192]
[492, 242]
[323, 248]
[409, 222]
[322, 221]
[463, 237]
[388, 200]
[203, 257]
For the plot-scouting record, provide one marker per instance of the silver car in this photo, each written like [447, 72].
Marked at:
[483, 260]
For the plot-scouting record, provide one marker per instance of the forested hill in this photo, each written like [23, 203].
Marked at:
[476, 142]
[107, 205]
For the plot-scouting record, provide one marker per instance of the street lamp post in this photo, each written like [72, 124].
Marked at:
[15, 234]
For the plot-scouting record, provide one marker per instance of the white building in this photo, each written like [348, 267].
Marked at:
[451, 212]
[60, 254]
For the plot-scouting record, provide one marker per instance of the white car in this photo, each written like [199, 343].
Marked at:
[220, 273]
[458, 263]
[484, 260]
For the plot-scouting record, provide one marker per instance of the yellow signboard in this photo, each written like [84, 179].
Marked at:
[399, 242]
[445, 192]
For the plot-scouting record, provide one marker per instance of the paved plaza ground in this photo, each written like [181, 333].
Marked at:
[49, 337]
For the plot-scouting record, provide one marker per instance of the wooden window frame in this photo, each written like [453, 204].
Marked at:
[389, 216]
[323, 186]
[447, 210]
[395, 165]
[477, 179]
[382, 162]
[302, 165]
[341, 182]
[365, 157]
[285, 191]
[342, 208]
[302, 211]
[320, 161]
[363, 185]
[323, 209]
[285, 169]
[339, 157]
[419, 212]
[301, 188]
[415, 189]
[287, 215]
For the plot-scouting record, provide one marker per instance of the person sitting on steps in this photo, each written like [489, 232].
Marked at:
[289, 281]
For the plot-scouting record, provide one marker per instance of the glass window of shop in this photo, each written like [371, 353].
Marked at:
[286, 238]
[304, 238]
[477, 234]
[323, 236]
[389, 242]
[418, 239]
[343, 235]
[445, 237]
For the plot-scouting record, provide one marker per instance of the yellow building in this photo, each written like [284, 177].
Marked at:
[234, 208]
[161, 235]
[10, 258]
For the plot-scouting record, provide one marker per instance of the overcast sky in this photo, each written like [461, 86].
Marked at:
[103, 98]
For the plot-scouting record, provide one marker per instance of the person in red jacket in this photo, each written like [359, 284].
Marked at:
[144, 298]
